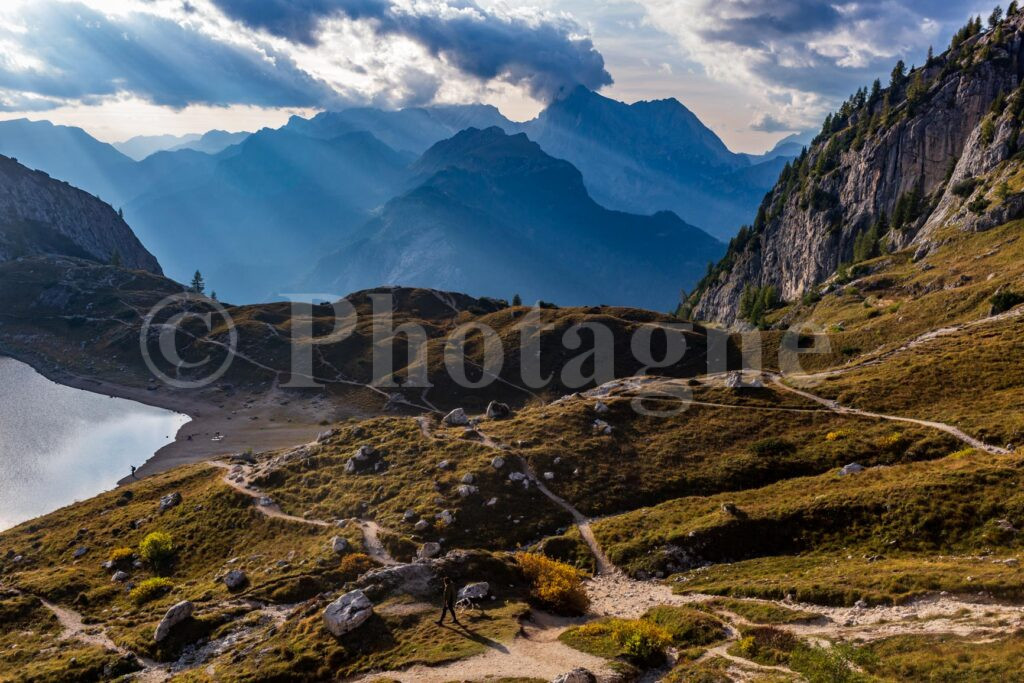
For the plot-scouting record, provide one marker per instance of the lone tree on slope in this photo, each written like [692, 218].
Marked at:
[198, 285]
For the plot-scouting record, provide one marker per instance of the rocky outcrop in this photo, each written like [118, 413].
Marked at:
[40, 215]
[902, 153]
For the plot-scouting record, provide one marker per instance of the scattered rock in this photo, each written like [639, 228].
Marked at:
[235, 579]
[421, 525]
[347, 613]
[497, 462]
[852, 468]
[447, 517]
[731, 509]
[365, 459]
[600, 408]
[861, 604]
[492, 502]
[169, 501]
[475, 591]
[602, 427]
[578, 675]
[465, 491]
[456, 418]
[1006, 525]
[498, 411]
[444, 465]
[80, 552]
[339, 545]
[120, 576]
[468, 478]
[429, 550]
[265, 501]
[174, 616]
[410, 516]
[549, 476]
[324, 436]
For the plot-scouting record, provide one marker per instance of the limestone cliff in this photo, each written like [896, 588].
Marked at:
[40, 215]
[890, 170]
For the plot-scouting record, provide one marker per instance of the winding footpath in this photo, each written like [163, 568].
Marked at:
[264, 504]
[835, 407]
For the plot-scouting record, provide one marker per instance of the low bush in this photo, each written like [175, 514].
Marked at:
[355, 565]
[1004, 301]
[555, 585]
[686, 626]
[150, 589]
[121, 557]
[636, 640]
[766, 645]
[157, 549]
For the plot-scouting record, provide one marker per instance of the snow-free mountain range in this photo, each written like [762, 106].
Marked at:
[348, 199]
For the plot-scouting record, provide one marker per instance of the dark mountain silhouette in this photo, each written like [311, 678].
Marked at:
[651, 156]
[43, 216]
[413, 130]
[259, 212]
[492, 214]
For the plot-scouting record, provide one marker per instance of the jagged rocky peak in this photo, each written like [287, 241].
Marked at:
[40, 215]
[890, 170]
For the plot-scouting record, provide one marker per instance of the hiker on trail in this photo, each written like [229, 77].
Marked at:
[449, 602]
[133, 472]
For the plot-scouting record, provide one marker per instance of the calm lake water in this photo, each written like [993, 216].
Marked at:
[59, 445]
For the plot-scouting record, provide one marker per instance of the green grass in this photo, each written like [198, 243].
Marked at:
[952, 504]
[834, 579]
[30, 650]
[947, 658]
[302, 650]
[319, 487]
[703, 451]
[763, 612]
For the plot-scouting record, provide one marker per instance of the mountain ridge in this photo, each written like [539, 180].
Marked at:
[891, 170]
[40, 215]
[493, 213]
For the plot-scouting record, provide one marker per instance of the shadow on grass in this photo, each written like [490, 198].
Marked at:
[464, 630]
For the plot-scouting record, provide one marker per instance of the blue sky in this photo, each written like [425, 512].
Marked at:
[753, 70]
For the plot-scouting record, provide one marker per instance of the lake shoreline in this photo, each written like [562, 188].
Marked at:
[257, 422]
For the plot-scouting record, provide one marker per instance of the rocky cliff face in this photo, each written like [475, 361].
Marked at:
[40, 215]
[899, 160]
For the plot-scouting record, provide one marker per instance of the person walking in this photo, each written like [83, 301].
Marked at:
[133, 472]
[449, 602]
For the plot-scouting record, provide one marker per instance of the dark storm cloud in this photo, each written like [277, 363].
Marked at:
[827, 48]
[86, 55]
[544, 55]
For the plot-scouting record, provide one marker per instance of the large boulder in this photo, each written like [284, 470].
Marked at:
[169, 501]
[852, 468]
[456, 418]
[577, 675]
[347, 613]
[498, 411]
[429, 550]
[174, 616]
[475, 591]
[235, 580]
[339, 545]
[417, 579]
